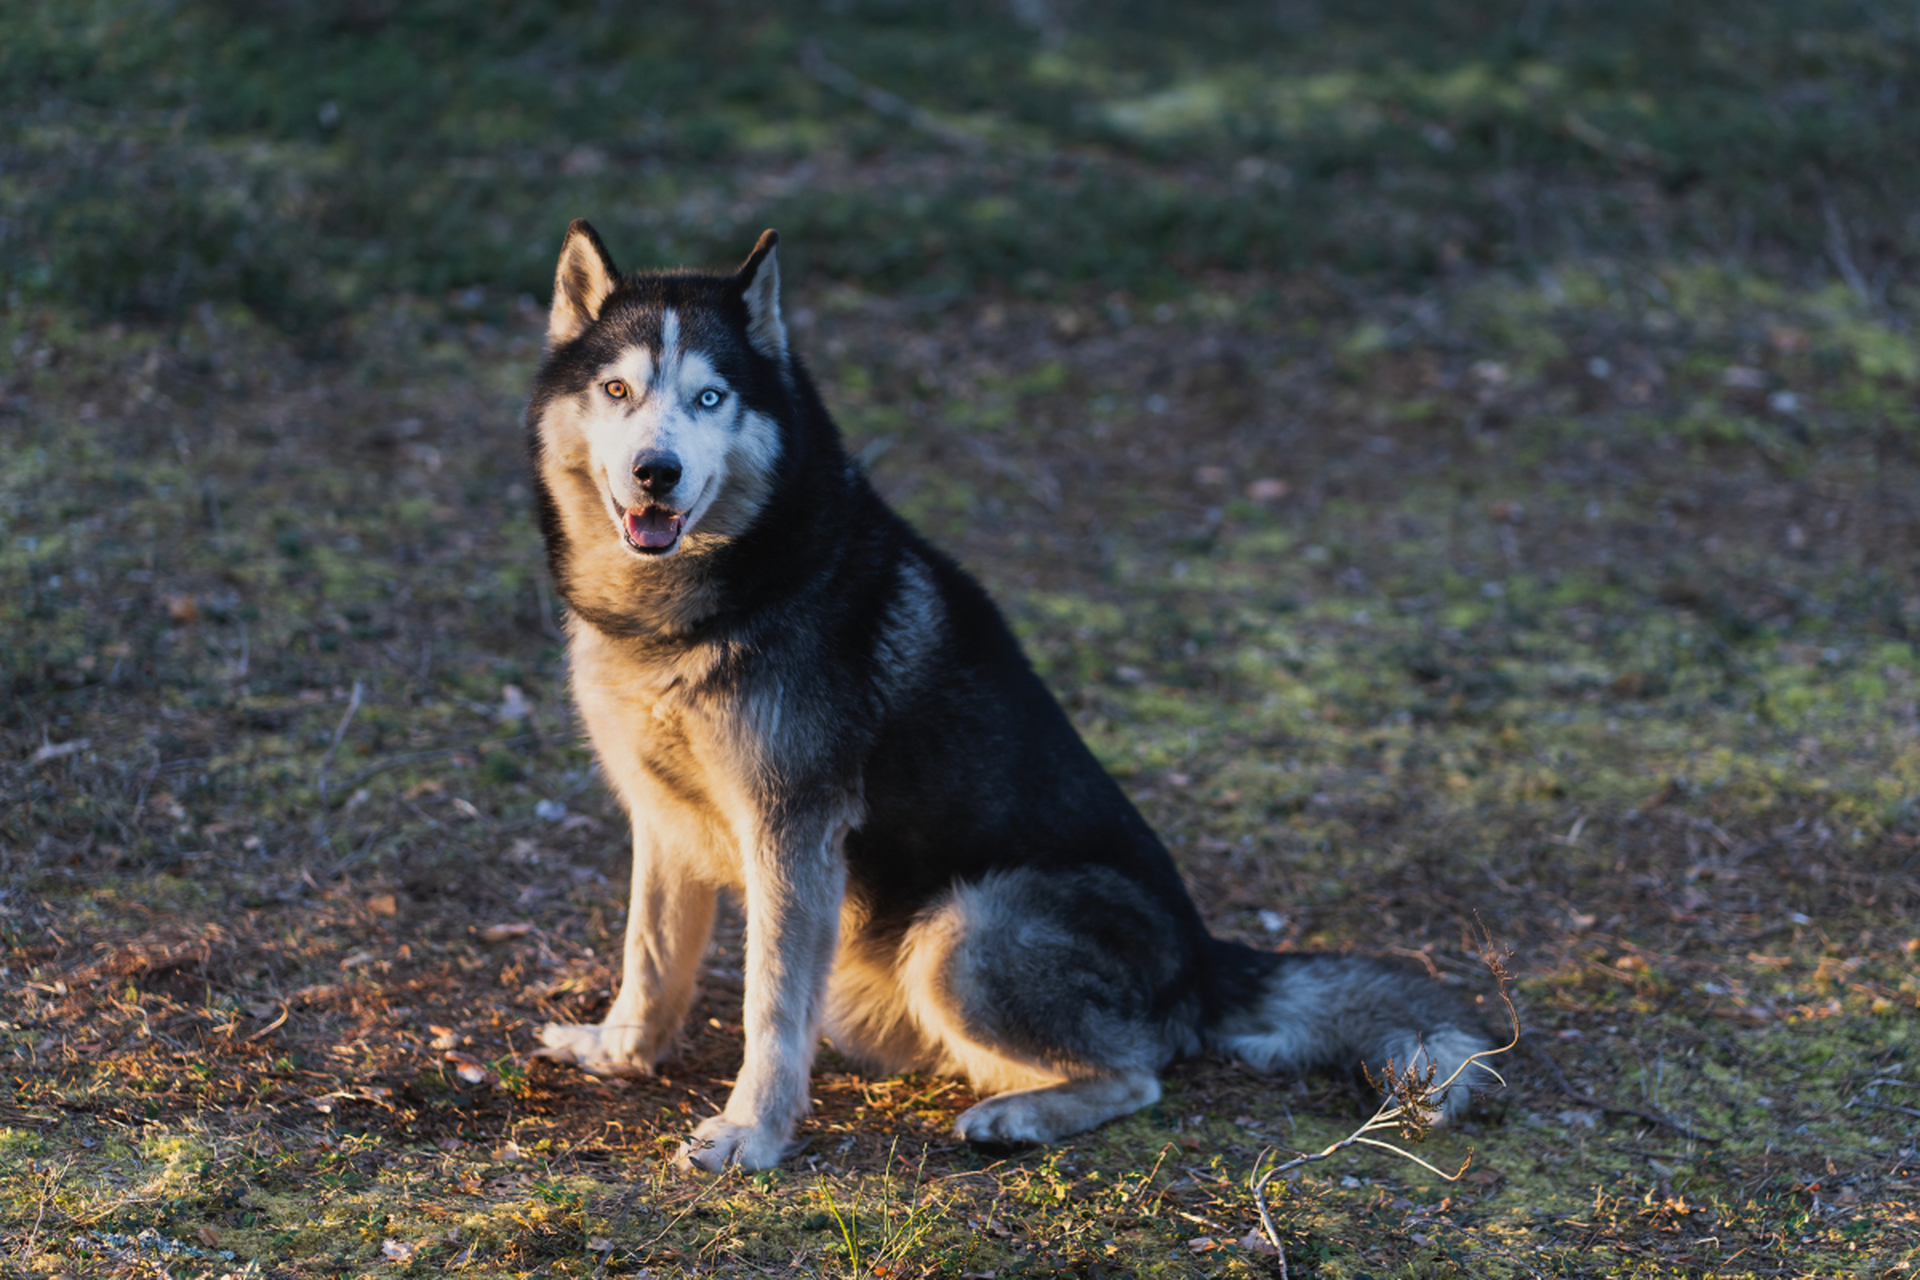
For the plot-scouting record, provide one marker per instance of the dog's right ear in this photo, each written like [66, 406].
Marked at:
[581, 284]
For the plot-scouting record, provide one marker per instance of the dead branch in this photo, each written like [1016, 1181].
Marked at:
[881, 101]
[1660, 1118]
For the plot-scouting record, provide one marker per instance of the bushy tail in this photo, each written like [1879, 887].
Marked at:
[1300, 1012]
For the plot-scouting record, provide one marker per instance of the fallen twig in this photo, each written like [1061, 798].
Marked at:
[339, 732]
[1588, 1100]
[285, 1011]
[874, 98]
[1843, 257]
[1589, 134]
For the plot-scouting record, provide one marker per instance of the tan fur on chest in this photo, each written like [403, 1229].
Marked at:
[682, 765]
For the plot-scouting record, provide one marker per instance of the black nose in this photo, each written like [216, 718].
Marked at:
[657, 473]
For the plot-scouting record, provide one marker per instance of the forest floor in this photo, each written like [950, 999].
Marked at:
[1476, 576]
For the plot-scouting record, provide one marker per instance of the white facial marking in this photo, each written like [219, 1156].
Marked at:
[662, 415]
[669, 334]
[677, 403]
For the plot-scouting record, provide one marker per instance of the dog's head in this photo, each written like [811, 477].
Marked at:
[661, 393]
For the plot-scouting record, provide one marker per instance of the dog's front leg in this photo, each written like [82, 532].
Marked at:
[794, 889]
[668, 922]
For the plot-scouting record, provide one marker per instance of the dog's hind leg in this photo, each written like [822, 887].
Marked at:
[668, 922]
[1054, 1111]
[1066, 990]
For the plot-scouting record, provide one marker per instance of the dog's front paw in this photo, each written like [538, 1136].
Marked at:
[719, 1142]
[610, 1049]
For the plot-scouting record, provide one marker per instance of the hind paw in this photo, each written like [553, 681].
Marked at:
[1054, 1111]
[610, 1049]
[1009, 1120]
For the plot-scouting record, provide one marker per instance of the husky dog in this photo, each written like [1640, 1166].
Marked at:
[798, 699]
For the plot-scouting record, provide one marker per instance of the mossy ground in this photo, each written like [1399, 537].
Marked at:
[1559, 584]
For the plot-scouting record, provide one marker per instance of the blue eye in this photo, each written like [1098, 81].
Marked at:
[710, 398]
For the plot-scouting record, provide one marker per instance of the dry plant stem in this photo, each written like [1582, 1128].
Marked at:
[691, 1205]
[1410, 1104]
[1842, 256]
[320, 778]
[51, 1181]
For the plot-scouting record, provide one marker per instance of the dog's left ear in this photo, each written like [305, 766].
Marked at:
[758, 283]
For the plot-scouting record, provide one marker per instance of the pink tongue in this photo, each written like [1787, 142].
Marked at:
[654, 527]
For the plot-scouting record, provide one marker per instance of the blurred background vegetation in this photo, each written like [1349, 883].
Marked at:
[301, 158]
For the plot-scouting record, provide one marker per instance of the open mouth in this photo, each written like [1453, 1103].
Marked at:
[651, 530]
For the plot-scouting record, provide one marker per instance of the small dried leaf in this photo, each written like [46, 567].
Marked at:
[467, 1067]
[505, 932]
[55, 750]
[383, 904]
[1254, 1242]
[398, 1250]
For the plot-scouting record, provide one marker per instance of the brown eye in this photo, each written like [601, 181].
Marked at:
[616, 388]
